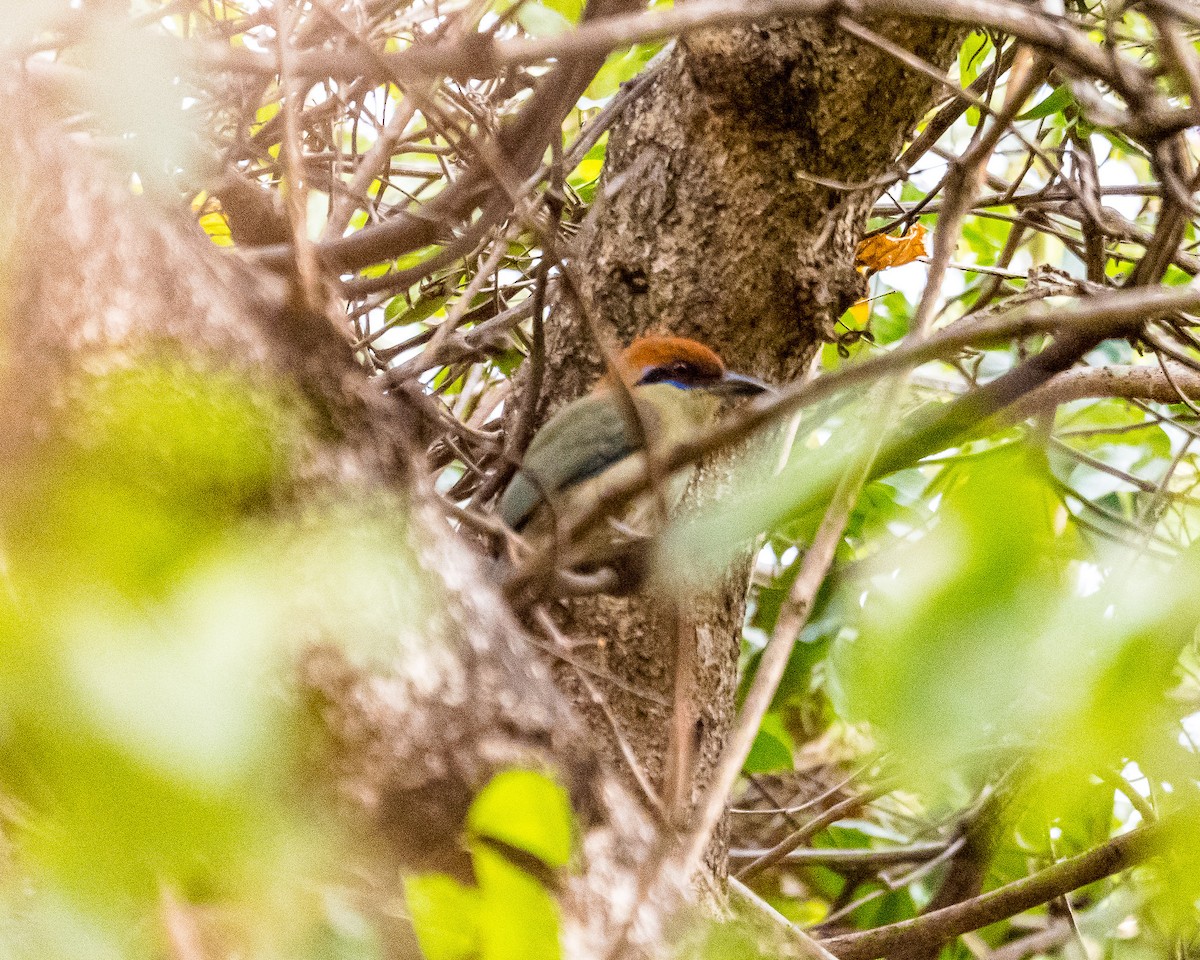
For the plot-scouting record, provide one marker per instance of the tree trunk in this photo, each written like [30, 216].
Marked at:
[407, 739]
[719, 232]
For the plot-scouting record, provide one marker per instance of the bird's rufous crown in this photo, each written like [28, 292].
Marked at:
[647, 353]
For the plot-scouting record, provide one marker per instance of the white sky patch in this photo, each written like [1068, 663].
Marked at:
[927, 178]
[1191, 734]
[1022, 261]
[1132, 774]
[1118, 173]
[496, 415]
[508, 276]
[998, 164]
[398, 335]
[764, 561]
[1123, 810]
[1124, 813]
[908, 280]
[901, 530]
[1088, 578]
[316, 214]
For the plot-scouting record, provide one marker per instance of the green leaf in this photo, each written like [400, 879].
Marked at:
[542, 21]
[891, 317]
[591, 165]
[1056, 102]
[971, 56]
[415, 258]
[570, 9]
[518, 919]
[947, 623]
[508, 361]
[726, 940]
[768, 754]
[396, 313]
[445, 916]
[526, 810]
[893, 907]
[619, 68]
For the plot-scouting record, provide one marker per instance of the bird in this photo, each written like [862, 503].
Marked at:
[589, 447]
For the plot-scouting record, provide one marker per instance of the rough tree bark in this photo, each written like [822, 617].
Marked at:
[718, 233]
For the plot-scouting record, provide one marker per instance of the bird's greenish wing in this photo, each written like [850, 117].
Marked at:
[581, 440]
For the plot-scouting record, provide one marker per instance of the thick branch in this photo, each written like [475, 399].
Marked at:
[482, 57]
[1117, 855]
[1127, 382]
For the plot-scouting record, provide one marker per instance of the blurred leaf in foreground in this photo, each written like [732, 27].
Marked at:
[974, 643]
[509, 913]
[158, 584]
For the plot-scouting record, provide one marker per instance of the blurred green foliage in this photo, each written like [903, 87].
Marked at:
[157, 583]
[939, 663]
[508, 913]
[132, 634]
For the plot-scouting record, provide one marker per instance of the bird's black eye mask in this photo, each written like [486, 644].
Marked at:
[679, 374]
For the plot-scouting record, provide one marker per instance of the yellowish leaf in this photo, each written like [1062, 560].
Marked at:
[860, 314]
[882, 251]
[217, 228]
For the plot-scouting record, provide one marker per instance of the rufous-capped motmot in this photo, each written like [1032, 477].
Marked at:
[588, 448]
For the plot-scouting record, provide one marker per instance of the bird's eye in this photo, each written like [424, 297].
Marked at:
[656, 375]
[679, 372]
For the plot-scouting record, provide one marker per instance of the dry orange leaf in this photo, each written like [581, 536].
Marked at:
[881, 251]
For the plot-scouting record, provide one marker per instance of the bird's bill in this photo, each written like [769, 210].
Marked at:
[739, 384]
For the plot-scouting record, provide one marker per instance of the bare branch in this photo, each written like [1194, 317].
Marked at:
[1115, 856]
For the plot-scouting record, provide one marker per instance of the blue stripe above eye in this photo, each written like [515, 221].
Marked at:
[651, 377]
